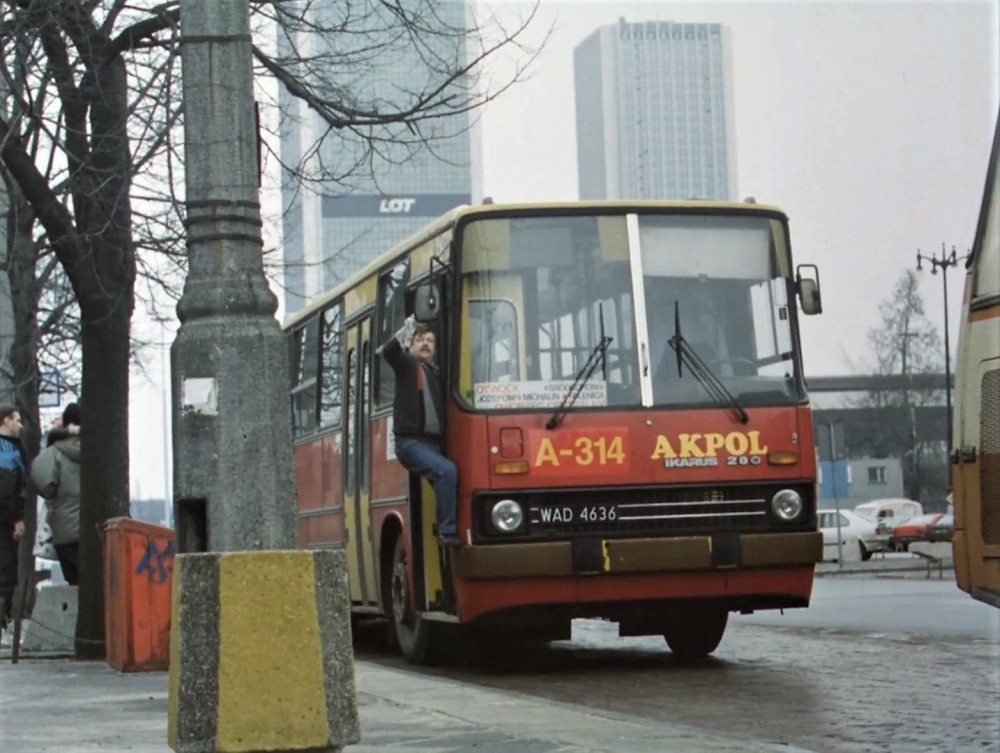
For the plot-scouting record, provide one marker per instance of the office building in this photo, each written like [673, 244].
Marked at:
[654, 112]
[332, 230]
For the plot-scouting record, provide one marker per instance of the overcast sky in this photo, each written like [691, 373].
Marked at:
[868, 123]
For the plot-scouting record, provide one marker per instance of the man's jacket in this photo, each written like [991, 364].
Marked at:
[411, 381]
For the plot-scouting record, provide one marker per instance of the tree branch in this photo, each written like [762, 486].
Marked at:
[54, 217]
[163, 17]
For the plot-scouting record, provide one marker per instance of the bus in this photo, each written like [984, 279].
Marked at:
[975, 455]
[625, 403]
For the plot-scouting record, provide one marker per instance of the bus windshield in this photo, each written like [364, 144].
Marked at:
[540, 293]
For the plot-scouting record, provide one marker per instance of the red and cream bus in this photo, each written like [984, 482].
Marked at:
[624, 400]
[976, 452]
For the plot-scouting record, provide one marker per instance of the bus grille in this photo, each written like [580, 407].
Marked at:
[665, 511]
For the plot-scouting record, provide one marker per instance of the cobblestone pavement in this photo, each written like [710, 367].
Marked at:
[827, 691]
[831, 691]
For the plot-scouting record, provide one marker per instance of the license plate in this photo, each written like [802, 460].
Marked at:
[556, 515]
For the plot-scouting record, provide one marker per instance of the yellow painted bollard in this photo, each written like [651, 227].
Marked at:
[260, 653]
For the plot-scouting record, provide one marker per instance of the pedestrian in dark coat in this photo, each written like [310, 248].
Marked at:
[13, 478]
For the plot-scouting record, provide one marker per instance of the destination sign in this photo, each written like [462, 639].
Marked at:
[538, 394]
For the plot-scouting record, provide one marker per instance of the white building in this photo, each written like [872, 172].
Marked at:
[654, 112]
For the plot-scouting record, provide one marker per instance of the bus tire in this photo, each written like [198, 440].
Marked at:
[695, 634]
[413, 634]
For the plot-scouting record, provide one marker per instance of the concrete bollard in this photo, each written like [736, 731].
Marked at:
[53, 620]
[261, 654]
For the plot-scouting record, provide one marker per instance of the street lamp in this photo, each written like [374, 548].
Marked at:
[946, 260]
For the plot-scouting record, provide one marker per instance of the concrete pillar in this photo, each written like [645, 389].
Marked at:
[233, 474]
[261, 656]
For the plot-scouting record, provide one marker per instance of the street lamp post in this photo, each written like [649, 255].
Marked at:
[946, 260]
[836, 497]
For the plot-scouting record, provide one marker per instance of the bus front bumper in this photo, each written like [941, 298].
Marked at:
[722, 551]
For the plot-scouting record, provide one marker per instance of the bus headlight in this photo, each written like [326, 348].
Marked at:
[787, 504]
[507, 516]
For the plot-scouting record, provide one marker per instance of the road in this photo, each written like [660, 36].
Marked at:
[876, 664]
[912, 606]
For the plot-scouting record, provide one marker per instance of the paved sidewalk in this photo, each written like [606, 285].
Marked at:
[83, 707]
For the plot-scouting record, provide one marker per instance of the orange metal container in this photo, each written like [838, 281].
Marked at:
[138, 576]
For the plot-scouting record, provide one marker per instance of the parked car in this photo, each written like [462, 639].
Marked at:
[915, 529]
[857, 534]
[893, 507]
[943, 530]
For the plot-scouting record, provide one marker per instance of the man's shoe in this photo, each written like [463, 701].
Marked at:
[447, 539]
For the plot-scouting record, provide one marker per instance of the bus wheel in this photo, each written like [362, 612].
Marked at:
[412, 633]
[697, 633]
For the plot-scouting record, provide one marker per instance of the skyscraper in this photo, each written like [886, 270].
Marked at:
[654, 112]
[330, 231]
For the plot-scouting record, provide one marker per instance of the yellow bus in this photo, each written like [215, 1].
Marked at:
[976, 452]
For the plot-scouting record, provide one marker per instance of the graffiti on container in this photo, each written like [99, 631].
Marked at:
[159, 564]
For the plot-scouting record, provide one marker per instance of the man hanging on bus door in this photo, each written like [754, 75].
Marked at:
[418, 417]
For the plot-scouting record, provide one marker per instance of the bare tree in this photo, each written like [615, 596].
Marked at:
[19, 263]
[44, 315]
[905, 343]
[96, 83]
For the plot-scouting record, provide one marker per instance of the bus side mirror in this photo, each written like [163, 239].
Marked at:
[426, 302]
[808, 289]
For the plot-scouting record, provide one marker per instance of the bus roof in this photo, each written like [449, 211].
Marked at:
[450, 218]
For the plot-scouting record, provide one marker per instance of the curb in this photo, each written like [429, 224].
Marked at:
[918, 566]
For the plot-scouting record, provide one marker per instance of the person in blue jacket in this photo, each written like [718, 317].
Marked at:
[418, 419]
[13, 478]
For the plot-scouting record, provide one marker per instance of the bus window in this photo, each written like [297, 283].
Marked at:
[350, 456]
[772, 331]
[556, 343]
[305, 363]
[716, 278]
[611, 317]
[558, 283]
[332, 375]
[986, 268]
[365, 411]
[493, 340]
[392, 312]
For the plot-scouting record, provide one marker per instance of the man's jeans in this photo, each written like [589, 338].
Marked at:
[423, 457]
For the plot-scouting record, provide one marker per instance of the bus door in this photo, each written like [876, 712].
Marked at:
[357, 464]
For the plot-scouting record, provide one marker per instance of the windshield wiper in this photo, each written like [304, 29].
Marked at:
[604, 361]
[686, 355]
[597, 355]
